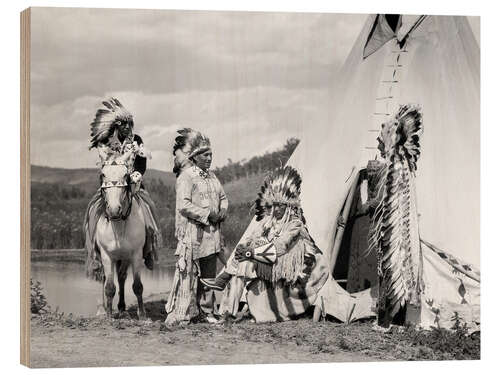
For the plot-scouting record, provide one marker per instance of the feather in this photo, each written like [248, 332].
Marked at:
[282, 186]
[105, 121]
[190, 141]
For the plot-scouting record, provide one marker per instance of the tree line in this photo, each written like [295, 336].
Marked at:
[257, 164]
[57, 210]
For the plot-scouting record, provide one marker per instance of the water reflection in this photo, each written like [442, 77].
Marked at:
[66, 286]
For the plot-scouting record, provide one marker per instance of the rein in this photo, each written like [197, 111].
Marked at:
[129, 208]
[117, 183]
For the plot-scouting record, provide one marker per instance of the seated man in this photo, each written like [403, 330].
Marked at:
[277, 259]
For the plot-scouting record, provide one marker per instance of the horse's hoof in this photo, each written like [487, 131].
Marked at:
[123, 315]
[101, 311]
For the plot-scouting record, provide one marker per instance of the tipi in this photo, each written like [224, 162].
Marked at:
[433, 62]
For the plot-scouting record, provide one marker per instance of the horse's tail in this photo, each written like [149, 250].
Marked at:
[94, 268]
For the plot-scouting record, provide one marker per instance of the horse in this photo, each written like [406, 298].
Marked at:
[120, 233]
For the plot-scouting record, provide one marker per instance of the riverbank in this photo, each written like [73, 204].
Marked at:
[166, 256]
[60, 340]
[59, 255]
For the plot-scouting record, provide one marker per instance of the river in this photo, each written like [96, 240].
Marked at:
[66, 287]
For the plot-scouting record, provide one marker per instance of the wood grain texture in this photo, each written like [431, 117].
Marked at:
[25, 186]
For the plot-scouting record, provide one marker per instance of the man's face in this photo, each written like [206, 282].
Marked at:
[385, 141]
[125, 128]
[279, 210]
[204, 160]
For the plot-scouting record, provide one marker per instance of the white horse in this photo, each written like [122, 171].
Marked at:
[120, 233]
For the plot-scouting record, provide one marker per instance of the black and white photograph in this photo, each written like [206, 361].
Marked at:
[249, 187]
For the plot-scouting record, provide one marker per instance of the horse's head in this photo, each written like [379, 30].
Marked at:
[115, 189]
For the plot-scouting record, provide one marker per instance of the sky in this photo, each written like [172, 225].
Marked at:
[247, 80]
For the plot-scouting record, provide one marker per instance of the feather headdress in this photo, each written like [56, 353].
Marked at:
[188, 143]
[400, 136]
[282, 186]
[394, 229]
[191, 142]
[107, 119]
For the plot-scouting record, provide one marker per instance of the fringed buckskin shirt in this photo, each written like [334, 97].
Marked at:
[198, 194]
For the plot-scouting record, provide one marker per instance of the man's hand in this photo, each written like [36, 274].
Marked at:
[181, 264]
[222, 215]
[243, 253]
[213, 218]
[364, 209]
[136, 177]
[135, 181]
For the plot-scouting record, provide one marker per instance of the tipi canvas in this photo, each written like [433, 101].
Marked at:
[431, 62]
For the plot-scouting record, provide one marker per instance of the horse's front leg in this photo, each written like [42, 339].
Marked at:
[121, 270]
[137, 285]
[109, 282]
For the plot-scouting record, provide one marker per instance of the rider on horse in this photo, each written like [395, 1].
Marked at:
[112, 135]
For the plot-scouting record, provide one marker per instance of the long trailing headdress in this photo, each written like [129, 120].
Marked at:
[188, 143]
[394, 221]
[107, 120]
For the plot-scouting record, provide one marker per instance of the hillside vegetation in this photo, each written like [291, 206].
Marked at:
[59, 198]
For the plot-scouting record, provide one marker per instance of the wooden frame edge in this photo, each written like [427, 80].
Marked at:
[25, 187]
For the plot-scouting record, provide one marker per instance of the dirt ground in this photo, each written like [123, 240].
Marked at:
[59, 340]
[141, 346]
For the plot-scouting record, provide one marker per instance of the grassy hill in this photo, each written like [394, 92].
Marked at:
[86, 178]
[59, 198]
[244, 190]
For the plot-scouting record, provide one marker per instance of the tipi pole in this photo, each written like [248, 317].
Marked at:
[341, 226]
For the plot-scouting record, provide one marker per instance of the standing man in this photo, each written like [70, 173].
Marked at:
[201, 207]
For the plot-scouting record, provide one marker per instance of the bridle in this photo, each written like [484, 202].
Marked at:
[123, 182]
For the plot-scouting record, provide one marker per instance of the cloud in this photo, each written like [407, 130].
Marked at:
[249, 80]
[85, 52]
[240, 123]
